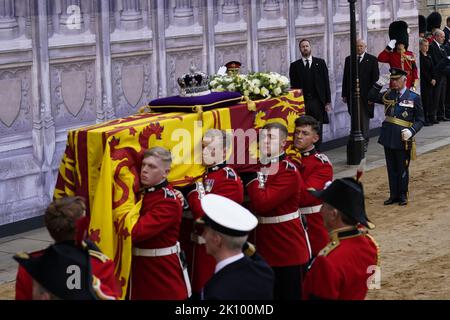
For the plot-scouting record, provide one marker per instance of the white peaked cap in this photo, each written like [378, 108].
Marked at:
[226, 216]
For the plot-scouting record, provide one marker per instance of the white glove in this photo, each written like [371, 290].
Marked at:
[448, 57]
[384, 80]
[406, 134]
[222, 71]
[392, 43]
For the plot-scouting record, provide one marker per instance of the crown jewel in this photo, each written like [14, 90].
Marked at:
[193, 84]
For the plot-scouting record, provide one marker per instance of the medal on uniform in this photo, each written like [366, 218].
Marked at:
[262, 178]
[209, 183]
[200, 189]
[405, 114]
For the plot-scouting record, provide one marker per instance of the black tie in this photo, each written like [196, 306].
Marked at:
[307, 64]
[359, 59]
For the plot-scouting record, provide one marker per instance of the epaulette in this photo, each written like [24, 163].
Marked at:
[230, 173]
[328, 248]
[376, 245]
[96, 286]
[290, 166]
[169, 194]
[87, 244]
[322, 158]
[100, 256]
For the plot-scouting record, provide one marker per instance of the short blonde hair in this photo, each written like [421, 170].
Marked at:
[159, 152]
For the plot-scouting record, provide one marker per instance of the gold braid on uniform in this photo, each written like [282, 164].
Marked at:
[387, 102]
[377, 246]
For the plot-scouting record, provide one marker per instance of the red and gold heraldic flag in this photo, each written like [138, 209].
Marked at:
[102, 162]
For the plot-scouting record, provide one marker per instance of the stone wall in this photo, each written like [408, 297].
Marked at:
[69, 63]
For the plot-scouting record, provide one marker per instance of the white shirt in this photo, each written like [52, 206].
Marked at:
[307, 59]
[222, 264]
[402, 92]
[362, 57]
[438, 44]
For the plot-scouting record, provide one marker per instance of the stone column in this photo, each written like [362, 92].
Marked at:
[71, 19]
[8, 22]
[230, 11]
[183, 14]
[131, 16]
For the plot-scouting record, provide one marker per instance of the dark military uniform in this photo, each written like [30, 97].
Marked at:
[244, 279]
[402, 110]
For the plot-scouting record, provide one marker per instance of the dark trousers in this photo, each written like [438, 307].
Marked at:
[315, 109]
[365, 121]
[427, 99]
[397, 162]
[447, 98]
[288, 282]
[439, 98]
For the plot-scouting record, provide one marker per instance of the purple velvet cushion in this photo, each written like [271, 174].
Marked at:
[210, 101]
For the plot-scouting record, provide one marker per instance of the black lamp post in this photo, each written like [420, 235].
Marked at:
[355, 145]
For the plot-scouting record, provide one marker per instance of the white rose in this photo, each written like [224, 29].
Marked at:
[246, 93]
[284, 80]
[256, 90]
[264, 92]
[231, 87]
[213, 83]
[256, 82]
[277, 91]
[220, 88]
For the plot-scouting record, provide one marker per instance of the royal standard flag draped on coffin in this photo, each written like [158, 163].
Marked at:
[102, 163]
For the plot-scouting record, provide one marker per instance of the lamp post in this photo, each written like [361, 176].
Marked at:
[355, 145]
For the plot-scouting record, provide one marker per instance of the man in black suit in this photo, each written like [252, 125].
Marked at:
[236, 277]
[447, 31]
[368, 75]
[438, 54]
[311, 75]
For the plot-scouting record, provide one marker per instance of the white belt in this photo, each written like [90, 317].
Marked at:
[197, 239]
[309, 210]
[279, 219]
[157, 252]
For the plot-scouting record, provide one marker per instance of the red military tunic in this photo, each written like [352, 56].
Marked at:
[316, 170]
[405, 61]
[280, 244]
[158, 227]
[223, 181]
[102, 268]
[342, 269]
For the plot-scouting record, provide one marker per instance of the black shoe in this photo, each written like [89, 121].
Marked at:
[403, 202]
[444, 119]
[435, 121]
[427, 124]
[390, 201]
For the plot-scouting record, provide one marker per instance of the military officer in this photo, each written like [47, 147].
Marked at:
[62, 220]
[219, 179]
[404, 118]
[316, 171]
[397, 54]
[236, 277]
[233, 68]
[275, 199]
[62, 272]
[343, 269]
[157, 271]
